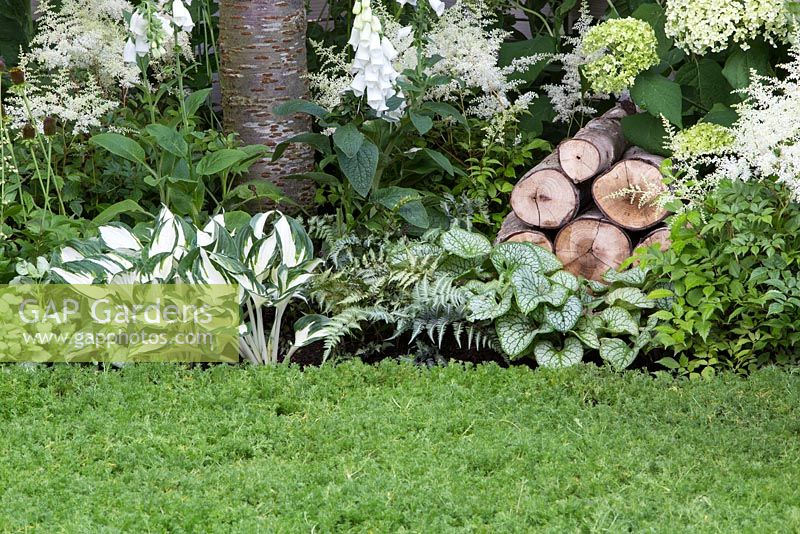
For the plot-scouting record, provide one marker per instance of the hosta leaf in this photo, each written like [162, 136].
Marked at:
[515, 333]
[566, 317]
[466, 244]
[616, 352]
[530, 288]
[586, 331]
[619, 321]
[629, 297]
[632, 277]
[566, 279]
[548, 356]
[116, 236]
[487, 307]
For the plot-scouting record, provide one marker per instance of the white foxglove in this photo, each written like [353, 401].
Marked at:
[372, 67]
[437, 5]
[181, 16]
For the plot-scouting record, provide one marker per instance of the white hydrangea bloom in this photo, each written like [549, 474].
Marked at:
[374, 74]
[703, 26]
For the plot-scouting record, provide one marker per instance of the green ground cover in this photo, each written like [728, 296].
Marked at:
[396, 448]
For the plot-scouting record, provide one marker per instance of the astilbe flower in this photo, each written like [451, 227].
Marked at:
[374, 74]
[764, 144]
[624, 48]
[703, 26]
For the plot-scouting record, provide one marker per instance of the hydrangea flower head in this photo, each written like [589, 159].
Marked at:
[623, 48]
[702, 139]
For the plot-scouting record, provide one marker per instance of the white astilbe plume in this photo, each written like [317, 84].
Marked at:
[765, 140]
[84, 34]
[374, 74]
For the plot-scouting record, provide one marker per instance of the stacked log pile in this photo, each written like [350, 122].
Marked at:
[574, 202]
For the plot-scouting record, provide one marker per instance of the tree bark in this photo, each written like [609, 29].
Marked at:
[595, 147]
[263, 64]
[637, 171]
[546, 197]
[591, 245]
[516, 231]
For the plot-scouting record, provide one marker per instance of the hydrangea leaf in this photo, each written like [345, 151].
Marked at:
[566, 317]
[566, 279]
[548, 356]
[629, 297]
[466, 244]
[515, 334]
[616, 352]
[530, 288]
[619, 321]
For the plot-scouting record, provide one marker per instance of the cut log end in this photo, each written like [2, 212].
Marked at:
[659, 236]
[625, 194]
[515, 230]
[532, 236]
[580, 159]
[546, 199]
[591, 245]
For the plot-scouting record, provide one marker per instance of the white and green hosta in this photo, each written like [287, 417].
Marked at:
[270, 257]
[540, 309]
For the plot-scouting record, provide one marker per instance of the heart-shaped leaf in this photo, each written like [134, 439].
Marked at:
[548, 356]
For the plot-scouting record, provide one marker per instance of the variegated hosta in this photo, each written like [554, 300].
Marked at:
[271, 258]
[540, 309]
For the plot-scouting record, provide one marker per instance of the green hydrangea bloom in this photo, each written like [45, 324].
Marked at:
[625, 48]
[703, 138]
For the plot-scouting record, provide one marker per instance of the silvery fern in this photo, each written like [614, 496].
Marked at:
[271, 258]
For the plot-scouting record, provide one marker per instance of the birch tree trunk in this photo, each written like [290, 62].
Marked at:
[263, 64]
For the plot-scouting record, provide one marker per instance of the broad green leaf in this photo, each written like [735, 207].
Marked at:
[549, 357]
[645, 131]
[722, 115]
[655, 16]
[360, 170]
[530, 288]
[557, 295]
[616, 352]
[348, 139]
[220, 161]
[566, 279]
[619, 321]
[515, 333]
[704, 83]
[393, 196]
[415, 213]
[445, 110]
[566, 317]
[659, 96]
[319, 141]
[506, 257]
[422, 123]
[120, 145]
[16, 28]
[195, 100]
[741, 62]
[440, 160]
[115, 210]
[629, 297]
[168, 138]
[466, 244]
[300, 106]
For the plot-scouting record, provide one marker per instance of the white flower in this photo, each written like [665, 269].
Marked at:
[437, 5]
[181, 16]
[374, 74]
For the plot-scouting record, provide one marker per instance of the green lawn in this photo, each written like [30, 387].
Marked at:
[395, 448]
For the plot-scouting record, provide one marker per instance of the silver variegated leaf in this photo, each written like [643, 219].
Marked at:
[598, 288]
[629, 297]
[516, 333]
[466, 244]
[586, 331]
[548, 262]
[489, 306]
[617, 353]
[568, 280]
[548, 356]
[530, 288]
[457, 266]
[566, 317]
[619, 321]
[507, 257]
[634, 276]
[557, 295]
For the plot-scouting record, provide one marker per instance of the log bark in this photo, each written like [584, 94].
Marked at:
[546, 197]
[637, 171]
[658, 236]
[263, 64]
[591, 245]
[515, 230]
[595, 147]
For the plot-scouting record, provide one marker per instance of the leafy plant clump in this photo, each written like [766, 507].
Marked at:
[734, 270]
